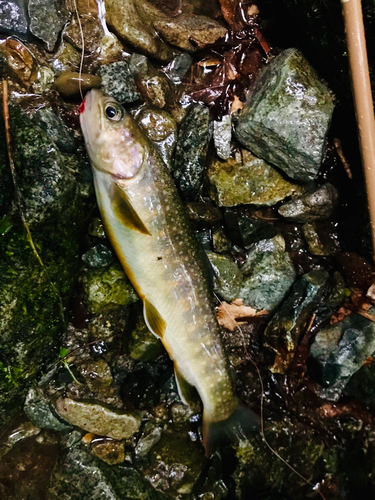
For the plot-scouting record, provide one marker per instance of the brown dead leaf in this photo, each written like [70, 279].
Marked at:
[228, 315]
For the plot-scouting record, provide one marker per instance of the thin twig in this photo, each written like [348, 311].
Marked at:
[18, 194]
[340, 152]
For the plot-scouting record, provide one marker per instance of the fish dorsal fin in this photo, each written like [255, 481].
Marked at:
[154, 321]
[125, 212]
[186, 391]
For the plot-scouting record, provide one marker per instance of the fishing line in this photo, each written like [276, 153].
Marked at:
[83, 48]
[262, 433]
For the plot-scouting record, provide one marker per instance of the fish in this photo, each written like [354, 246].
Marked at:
[146, 223]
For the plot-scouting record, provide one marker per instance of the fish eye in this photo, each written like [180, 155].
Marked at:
[114, 112]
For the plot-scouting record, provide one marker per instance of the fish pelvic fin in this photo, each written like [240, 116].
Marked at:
[153, 319]
[239, 426]
[186, 391]
[125, 212]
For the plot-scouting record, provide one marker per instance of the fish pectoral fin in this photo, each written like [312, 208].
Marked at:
[124, 210]
[154, 321]
[186, 391]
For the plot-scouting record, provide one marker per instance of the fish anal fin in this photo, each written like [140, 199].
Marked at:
[186, 391]
[124, 210]
[153, 319]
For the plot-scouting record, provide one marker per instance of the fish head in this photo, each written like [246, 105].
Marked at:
[113, 140]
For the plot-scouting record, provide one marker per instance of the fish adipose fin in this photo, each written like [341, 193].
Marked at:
[154, 321]
[239, 426]
[125, 212]
[186, 391]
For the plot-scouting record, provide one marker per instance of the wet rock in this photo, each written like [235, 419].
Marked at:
[151, 435]
[220, 242]
[176, 464]
[109, 323]
[97, 375]
[143, 345]
[178, 67]
[161, 129]
[287, 326]
[13, 17]
[18, 60]
[155, 89]
[321, 238]
[98, 256]
[44, 80]
[228, 278]
[203, 214]
[97, 419]
[269, 274]
[79, 475]
[40, 411]
[340, 350]
[33, 296]
[56, 129]
[181, 413]
[68, 84]
[204, 237]
[246, 179]
[223, 137]
[47, 19]
[191, 151]
[126, 20]
[139, 65]
[66, 59]
[244, 226]
[315, 205]
[180, 30]
[24, 431]
[118, 82]
[108, 286]
[287, 115]
[96, 228]
[111, 452]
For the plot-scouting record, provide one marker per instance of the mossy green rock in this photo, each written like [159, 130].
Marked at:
[228, 278]
[287, 115]
[33, 296]
[79, 475]
[288, 324]
[246, 179]
[341, 349]
[269, 274]
[108, 286]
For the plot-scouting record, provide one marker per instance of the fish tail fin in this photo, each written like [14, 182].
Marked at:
[240, 424]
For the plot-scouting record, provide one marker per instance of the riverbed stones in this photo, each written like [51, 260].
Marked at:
[79, 475]
[47, 19]
[40, 411]
[269, 274]
[125, 18]
[340, 350]
[287, 115]
[317, 204]
[98, 256]
[118, 82]
[70, 83]
[109, 286]
[227, 277]
[56, 129]
[223, 136]
[191, 151]
[13, 17]
[97, 419]
[286, 327]
[246, 179]
[178, 67]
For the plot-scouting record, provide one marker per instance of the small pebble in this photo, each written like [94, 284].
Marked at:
[67, 84]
